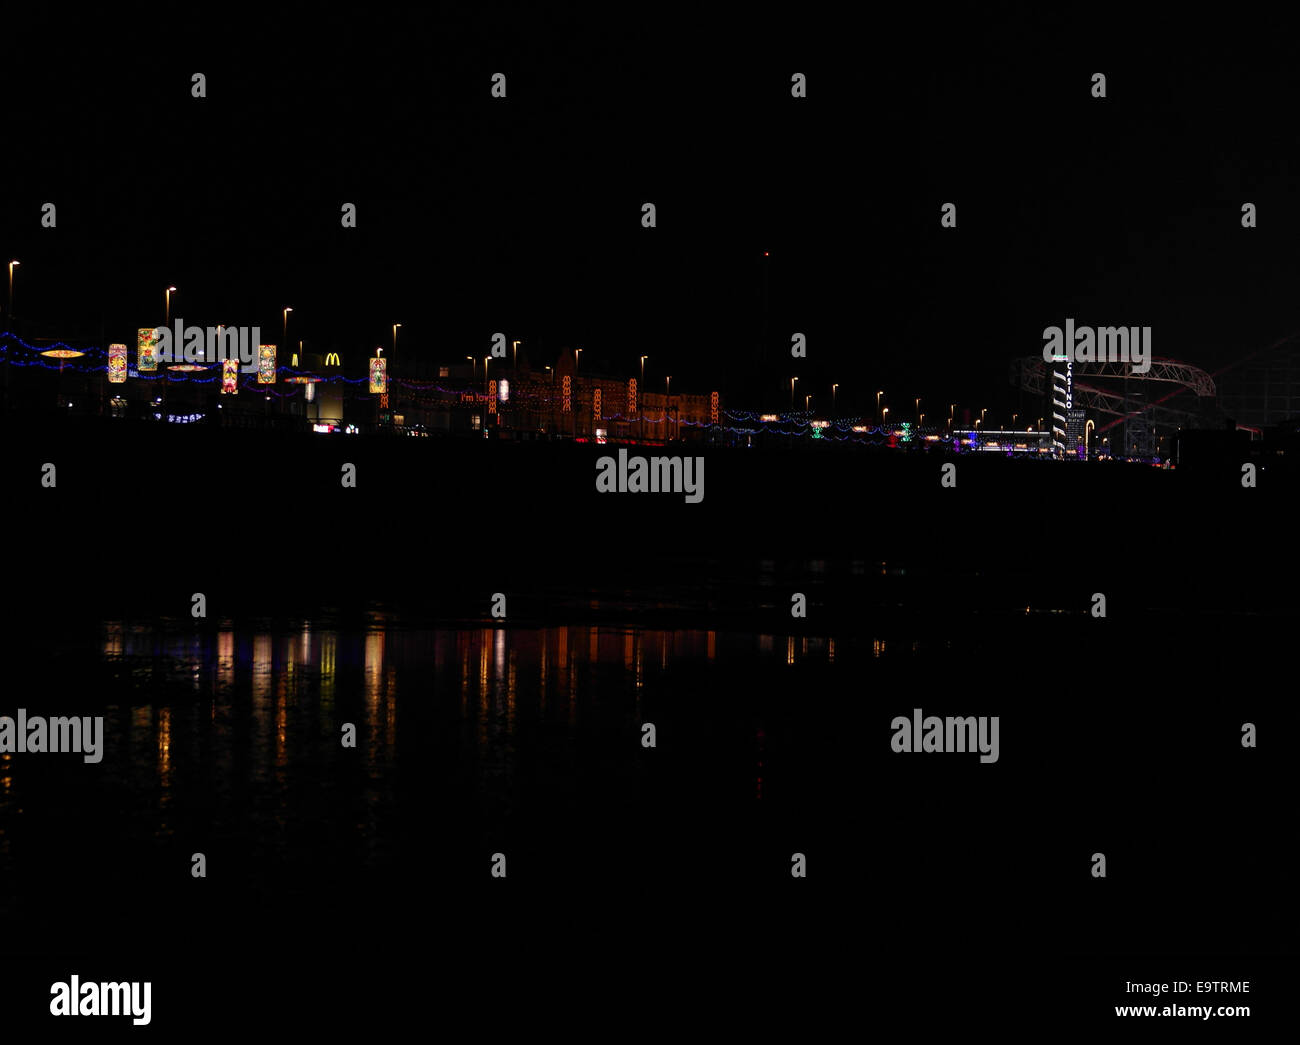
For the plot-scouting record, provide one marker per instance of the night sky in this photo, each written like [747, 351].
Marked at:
[477, 215]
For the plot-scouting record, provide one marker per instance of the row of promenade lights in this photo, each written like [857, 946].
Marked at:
[881, 413]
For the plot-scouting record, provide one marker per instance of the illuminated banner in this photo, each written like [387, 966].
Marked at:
[116, 364]
[379, 374]
[631, 396]
[713, 407]
[566, 387]
[146, 348]
[492, 397]
[229, 377]
[595, 404]
[505, 390]
[266, 364]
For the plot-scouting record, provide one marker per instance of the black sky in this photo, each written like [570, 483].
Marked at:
[523, 215]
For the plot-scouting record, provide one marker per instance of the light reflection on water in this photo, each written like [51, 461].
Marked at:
[244, 724]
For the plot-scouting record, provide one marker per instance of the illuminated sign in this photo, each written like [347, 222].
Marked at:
[566, 389]
[492, 397]
[631, 396]
[379, 374]
[229, 377]
[146, 348]
[595, 404]
[116, 364]
[332, 359]
[266, 364]
[713, 407]
[504, 388]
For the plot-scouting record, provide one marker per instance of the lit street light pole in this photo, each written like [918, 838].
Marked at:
[641, 398]
[12, 265]
[167, 307]
[668, 391]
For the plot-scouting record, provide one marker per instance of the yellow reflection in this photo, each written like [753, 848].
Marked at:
[226, 658]
[789, 649]
[113, 639]
[165, 752]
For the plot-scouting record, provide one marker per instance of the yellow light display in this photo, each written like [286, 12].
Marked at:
[229, 377]
[595, 404]
[116, 364]
[492, 397]
[631, 396]
[566, 390]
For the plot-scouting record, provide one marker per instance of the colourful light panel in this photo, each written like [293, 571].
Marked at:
[116, 364]
[266, 364]
[146, 349]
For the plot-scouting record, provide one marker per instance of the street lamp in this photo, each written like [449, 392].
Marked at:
[284, 330]
[792, 381]
[395, 326]
[834, 388]
[884, 417]
[577, 358]
[515, 346]
[167, 308]
[485, 377]
[473, 372]
[11, 287]
[878, 395]
[918, 406]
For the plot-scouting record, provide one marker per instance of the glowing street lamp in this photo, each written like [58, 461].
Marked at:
[395, 326]
[515, 346]
[12, 266]
[792, 381]
[167, 306]
[834, 389]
